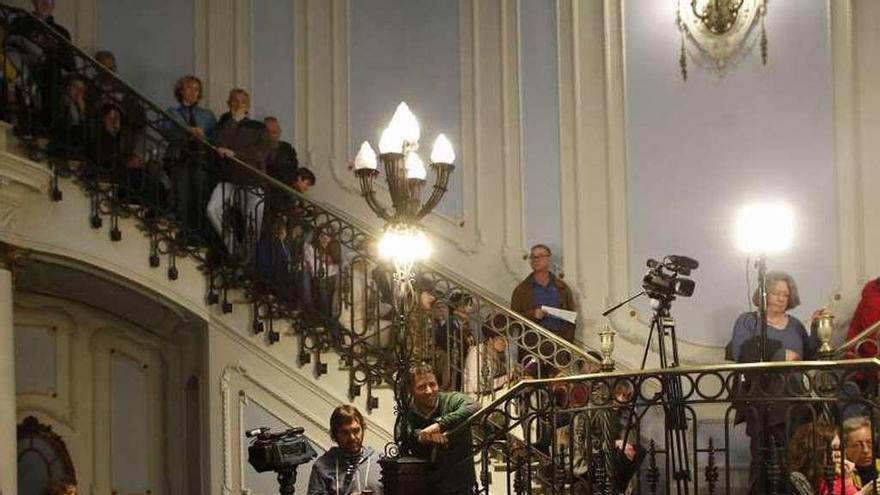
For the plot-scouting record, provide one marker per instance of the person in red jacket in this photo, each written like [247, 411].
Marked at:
[867, 313]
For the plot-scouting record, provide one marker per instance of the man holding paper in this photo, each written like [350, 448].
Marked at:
[544, 298]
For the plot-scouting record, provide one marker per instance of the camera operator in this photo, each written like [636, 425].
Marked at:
[349, 468]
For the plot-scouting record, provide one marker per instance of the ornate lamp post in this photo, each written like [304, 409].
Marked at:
[403, 241]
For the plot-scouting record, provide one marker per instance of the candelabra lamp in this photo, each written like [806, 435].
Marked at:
[403, 242]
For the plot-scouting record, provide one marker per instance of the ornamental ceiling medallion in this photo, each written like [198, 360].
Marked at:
[718, 34]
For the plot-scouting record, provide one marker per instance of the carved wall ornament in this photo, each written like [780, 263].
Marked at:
[12, 257]
[718, 34]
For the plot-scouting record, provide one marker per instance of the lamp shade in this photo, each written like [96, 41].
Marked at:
[366, 157]
[442, 151]
[406, 124]
[415, 167]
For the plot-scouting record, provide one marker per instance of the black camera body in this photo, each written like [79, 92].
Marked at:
[279, 452]
[667, 278]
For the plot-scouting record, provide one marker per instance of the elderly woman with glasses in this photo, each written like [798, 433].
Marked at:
[787, 339]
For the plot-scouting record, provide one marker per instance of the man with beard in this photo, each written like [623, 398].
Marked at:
[350, 468]
[431, 416]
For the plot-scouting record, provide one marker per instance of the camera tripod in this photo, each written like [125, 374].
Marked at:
[663, 324]
[287, 481]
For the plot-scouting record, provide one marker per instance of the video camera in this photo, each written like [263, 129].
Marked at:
[666, 278]
[278, 451]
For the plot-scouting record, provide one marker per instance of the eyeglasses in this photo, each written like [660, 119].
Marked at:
[538, 256]
[785, 295]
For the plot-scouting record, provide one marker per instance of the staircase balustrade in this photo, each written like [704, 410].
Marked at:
[571, 431]
[294, 259]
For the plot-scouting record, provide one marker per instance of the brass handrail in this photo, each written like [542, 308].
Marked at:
[856, 340]
[775, 366]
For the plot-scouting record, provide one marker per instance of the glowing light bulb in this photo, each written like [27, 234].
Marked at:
[415, 167]
[365, 158]
[391, 141]
[406, 124]
[442, 151]
[765, 228]
[404, 245]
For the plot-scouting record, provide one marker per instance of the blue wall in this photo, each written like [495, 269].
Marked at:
[273, 60]
[407, 51]
[153, 41]
[699, 150]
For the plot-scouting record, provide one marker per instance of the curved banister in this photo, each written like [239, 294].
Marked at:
[553, 353]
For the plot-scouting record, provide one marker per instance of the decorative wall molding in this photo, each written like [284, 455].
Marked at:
[300, 379]
[63, 406]
[512, 247]
[106, 341]
[21, 181]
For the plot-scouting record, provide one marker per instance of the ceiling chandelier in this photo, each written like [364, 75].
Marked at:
[717, 34]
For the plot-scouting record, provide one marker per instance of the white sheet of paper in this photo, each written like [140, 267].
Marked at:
[563, 314]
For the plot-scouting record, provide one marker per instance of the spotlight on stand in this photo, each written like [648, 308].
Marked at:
[403, 240]
[761, 230]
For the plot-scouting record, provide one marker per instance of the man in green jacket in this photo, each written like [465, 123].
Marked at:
[432, 415]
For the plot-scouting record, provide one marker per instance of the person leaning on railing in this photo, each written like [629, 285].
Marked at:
[433, 413]
[191, 179]
[235, 208]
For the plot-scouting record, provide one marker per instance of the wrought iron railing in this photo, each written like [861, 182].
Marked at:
[295, 259]
[625, 432]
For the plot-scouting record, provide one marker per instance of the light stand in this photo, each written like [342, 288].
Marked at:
[761, 265]
[763, 229]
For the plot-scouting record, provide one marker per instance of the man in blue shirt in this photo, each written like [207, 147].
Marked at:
[543, 288]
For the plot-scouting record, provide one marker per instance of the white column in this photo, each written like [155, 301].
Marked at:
[8, 465]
